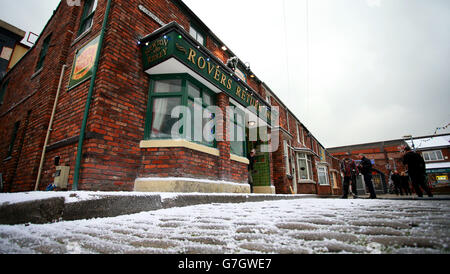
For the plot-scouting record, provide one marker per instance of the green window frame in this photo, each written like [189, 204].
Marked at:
[164, 91]
[43, 53]
[3, 90]
[87, 18]
[13, 139]
[238, 147]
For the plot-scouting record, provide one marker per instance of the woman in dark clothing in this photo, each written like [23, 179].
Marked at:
[397, 183]
[404, 179]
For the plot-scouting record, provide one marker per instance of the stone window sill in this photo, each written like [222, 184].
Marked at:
[179, 143]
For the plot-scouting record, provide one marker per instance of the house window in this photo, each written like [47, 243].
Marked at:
[322, 174]
[3, 91]
[298, 134]
[237, 143]
[13, 139]
[305, 166]
[88, 16]
[303, 136]
[43, 53]
[197, 35]
[287, 121]
[286, 157]
[333, 180]
[170, 91]
[434, 155]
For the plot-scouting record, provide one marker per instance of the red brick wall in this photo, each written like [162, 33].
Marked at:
[111, 158]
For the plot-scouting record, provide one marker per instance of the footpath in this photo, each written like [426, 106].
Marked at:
[48, 207]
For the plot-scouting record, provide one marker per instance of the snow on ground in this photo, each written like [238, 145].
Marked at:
[285, 226]
[76, 196]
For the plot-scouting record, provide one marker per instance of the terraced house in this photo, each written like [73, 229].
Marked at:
[140, 95]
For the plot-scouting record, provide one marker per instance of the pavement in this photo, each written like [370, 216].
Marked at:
[53, 209]
[266, 224]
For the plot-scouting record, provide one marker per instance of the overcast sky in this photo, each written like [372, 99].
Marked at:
[376, 69]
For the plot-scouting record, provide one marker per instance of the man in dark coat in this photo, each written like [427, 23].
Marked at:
[365, 167]
[416, 171]
[349, 169]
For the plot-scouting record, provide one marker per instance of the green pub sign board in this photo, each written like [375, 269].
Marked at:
[175, 45]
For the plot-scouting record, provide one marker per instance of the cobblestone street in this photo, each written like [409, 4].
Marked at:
[287, 226]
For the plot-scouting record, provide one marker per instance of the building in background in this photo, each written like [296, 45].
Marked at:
[435, 151]
[11, 48]
[89, 108]
[387, 156]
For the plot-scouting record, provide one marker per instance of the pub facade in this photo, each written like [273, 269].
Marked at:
[142, 96]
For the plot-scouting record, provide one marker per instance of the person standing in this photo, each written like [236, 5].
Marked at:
[396, 179]
[349, 169]
[405, 183]
[365, 167]
[416, 171]
[251, 159]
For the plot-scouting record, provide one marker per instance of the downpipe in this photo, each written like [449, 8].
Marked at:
[49, 130]
[76, 175]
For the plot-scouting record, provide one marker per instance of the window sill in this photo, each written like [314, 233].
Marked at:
[7, 159]
[240, 159]
[306, 181]
[36, 73]
[81, 36]
[179, 143]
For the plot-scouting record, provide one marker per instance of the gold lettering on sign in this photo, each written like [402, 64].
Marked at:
[217, 74]
[201, 59]
[192, 55]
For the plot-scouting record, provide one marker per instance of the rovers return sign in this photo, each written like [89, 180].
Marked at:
[175, 45]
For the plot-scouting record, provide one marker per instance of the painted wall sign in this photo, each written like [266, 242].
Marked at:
[84, 62]
[175, 45]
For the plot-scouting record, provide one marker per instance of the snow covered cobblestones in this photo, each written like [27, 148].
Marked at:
[285, 226]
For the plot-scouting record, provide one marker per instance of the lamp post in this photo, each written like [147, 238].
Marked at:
[412, 141]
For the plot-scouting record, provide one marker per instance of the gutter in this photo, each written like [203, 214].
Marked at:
[76, 175]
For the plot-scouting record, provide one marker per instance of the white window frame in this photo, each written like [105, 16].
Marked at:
[298, 134]
[304, 157]
[427, 155]
[326, 183]
[194, 33]
[286, 157]
[303, 135]
[287, 121]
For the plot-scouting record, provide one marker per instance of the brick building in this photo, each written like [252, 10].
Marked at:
[11, 48]
[387, 156]
[435, 151]
[93, 99]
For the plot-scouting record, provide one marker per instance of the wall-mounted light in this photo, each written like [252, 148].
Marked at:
[224, 48]
[251, 123]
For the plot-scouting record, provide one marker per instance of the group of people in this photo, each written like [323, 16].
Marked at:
[350, 171]
[401, 183]
[415, 171]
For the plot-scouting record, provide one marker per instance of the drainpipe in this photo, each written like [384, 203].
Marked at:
[76, 175]
[49, 130]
